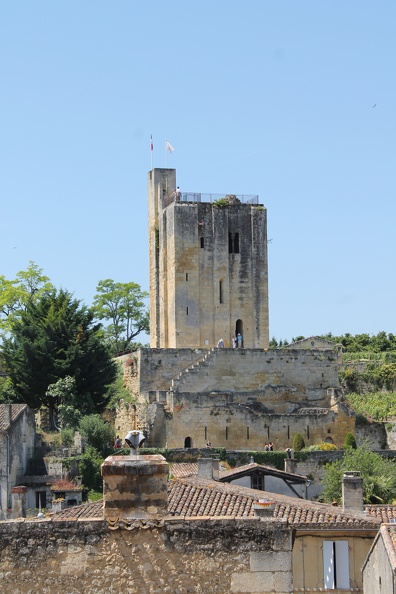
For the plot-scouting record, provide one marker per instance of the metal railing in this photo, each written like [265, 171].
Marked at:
[202, 197]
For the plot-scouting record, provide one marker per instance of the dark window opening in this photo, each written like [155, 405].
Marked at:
[41, 499]
[187, 442]
[186, 311]
[186, 276]
[247, 433]
[221, 292]
[226, 432]
[230, 246]
[202, 242]
[236, 243]
[206, 433]
[257, 482]
[268, 431]
[288, 432]
[308, 431]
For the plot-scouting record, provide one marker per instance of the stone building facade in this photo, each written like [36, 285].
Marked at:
[17, 440]
[208, 268]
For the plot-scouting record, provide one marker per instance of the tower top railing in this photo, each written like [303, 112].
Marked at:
[177, 196]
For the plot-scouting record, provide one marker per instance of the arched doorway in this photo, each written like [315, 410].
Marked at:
[187, 442]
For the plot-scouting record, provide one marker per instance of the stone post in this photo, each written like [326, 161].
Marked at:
[18, 495]
[135, 487]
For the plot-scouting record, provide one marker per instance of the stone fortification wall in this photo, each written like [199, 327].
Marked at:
[157, 367]
[235, 397]
[201, 555]
[280, 373]
[233, 421]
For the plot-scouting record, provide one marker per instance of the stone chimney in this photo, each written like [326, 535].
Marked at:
[208, 468]
[352, 491]
[18, 495]
[135, 487]
[7, 414]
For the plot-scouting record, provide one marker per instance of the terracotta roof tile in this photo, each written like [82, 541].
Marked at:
[385, 513]
[91, 511]
[182, 469]
[196, 497]
[16, 410]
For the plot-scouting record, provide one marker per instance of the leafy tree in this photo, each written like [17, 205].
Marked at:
[349, 442]
[298, 442]
[378, 474]
[98, 433]
[65, 402]
[15, 295]
[89, 467]
[54, 338]
[123, 306]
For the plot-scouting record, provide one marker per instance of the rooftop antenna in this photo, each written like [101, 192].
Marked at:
[135, 439]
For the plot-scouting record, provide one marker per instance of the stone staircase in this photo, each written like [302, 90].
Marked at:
[197, 369]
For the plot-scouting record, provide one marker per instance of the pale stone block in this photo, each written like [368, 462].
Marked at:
[259, 582]
[270, 561]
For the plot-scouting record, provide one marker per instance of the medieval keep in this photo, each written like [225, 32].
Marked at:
[209, 282]
[208, 267]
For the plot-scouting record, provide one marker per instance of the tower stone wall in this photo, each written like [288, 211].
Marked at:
[208, 269]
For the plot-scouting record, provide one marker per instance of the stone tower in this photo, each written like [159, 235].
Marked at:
[208, 267]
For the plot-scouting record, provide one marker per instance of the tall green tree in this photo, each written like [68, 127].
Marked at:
[379, 476]
[28, 286]
[123, 306]
[53, 338]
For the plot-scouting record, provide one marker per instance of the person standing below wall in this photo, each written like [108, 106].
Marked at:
[220, 344]
[234, 342]
[239, 340]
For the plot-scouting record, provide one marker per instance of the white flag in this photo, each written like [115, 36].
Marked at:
[169, 147]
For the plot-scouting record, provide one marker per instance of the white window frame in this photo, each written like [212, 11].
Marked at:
[336, 564]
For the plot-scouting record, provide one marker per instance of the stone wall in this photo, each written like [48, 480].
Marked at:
[220, 556]
[235, 397]
[229, 421]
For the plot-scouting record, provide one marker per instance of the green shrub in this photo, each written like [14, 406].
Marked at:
[298, 442]
[67, 437]
[350, 441]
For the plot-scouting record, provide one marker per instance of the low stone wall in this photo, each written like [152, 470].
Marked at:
[220, 556]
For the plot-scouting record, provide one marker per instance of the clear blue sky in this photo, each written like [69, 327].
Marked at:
[270, 98]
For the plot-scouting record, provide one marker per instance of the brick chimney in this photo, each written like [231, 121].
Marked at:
[135, 487]
[352, 491]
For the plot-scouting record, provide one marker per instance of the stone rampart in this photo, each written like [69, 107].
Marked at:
[220, 556]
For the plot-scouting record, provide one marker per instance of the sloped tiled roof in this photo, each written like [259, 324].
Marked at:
[391, 531]
[194, 497]
[87, 511]
[247, 469]
[385, 513]
[182, 469]
[16, 410]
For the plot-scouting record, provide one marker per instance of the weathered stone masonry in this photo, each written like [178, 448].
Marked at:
[220, 556]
